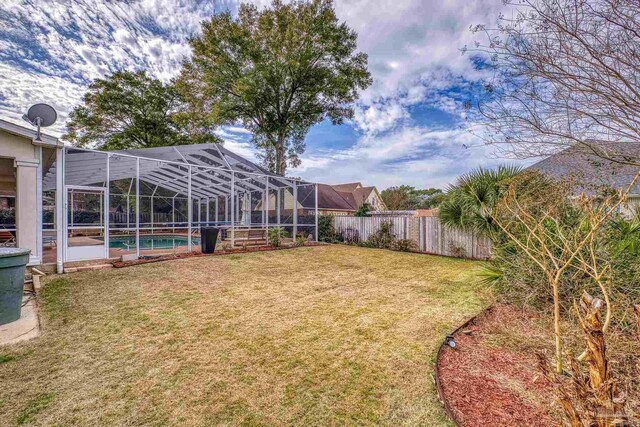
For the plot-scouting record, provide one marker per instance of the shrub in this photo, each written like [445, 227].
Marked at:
[468, 204]
[457, 251]
[404, 245]
[522, 282]
[326, 230]
[350, 236]
[276, 235]
[8, 216]
[363, 210]
[301, 239]
[382, 238]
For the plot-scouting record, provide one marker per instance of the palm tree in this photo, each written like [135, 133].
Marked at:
[468, 205]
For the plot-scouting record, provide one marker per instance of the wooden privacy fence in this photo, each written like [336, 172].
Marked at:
[435, 238]
[427, 233]
[366, 226]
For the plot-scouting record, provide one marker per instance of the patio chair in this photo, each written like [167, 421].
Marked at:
[7, 239]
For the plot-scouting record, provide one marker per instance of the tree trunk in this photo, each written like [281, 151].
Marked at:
[564, 396]
[609, 404]
[280, 161]
[556, 326]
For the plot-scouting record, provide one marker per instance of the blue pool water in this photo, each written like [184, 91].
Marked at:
[151, 242]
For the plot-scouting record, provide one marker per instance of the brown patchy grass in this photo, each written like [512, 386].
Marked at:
[331, 335]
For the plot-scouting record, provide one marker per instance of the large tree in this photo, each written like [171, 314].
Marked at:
[567, 72]
[132, 110]
[406, 197]
[278, 71]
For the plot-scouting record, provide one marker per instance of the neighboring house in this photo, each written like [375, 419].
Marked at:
[345, 199]
[340, 199]
[590, 173]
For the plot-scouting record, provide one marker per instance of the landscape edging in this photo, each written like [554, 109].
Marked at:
[441, 397]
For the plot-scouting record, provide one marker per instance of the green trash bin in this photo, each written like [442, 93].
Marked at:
[13, 263]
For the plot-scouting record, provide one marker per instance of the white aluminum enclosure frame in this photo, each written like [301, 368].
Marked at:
[188, 174]
[89, 252]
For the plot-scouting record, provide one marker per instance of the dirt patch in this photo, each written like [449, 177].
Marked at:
[488, 383]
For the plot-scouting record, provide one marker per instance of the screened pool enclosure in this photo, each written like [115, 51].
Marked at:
[154, 201]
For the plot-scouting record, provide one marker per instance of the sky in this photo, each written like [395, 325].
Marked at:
[409, 126]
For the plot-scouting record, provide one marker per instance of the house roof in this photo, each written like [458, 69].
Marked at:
[348, 187]
[361, 194]
[329, 198]
[591, 172]
[30, 133]
[335, 197]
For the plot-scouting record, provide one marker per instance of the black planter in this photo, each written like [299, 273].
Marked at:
[208, 239]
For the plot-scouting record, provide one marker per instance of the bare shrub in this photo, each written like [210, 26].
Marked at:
[383, 238]
[537, 227]
[404, 245]
[350, 235]
[456, 250]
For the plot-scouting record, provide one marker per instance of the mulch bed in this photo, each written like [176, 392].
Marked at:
[489, 385]
[121, 264]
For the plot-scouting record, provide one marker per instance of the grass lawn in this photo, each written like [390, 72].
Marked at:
[331, 335]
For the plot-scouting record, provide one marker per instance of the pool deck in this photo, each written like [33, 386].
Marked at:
[49, 251]
[49, 254]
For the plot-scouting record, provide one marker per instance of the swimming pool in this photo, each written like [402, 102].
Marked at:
[151, 242]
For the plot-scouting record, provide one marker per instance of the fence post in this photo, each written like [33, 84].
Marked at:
[406, 226]
[473, 244]
[441, 227]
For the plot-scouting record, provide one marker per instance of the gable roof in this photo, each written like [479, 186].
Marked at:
[328, 198]
[335, 197]
[361, 194]
[591, 172]
[348, 187]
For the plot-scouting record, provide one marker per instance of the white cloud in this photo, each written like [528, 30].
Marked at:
[408, 40]
[379, 117]
[416, 156]
[50, 51]
[241, 148]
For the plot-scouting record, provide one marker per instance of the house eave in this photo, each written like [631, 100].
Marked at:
[45, 140]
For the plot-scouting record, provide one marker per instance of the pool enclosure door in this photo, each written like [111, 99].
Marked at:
[86, 232]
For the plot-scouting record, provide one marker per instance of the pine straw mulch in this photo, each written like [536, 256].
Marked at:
[492, 377]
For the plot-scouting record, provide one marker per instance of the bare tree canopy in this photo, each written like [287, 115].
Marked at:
[567, 73]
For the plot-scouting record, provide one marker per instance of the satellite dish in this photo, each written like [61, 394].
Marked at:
[41, 115]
